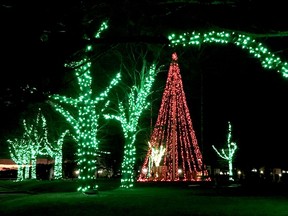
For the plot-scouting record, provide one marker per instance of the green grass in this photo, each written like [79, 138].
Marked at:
[60, 198]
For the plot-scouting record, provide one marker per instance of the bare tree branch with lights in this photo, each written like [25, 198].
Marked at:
[128, 115]
[228, 154]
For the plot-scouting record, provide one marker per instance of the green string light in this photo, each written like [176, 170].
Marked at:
[36, 132]
[17, 149]
[258, 50]
[55, 151]
[25, 150]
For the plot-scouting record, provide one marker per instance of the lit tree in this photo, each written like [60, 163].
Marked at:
[19, 154]
[156, 156]
[228, 154]
[128, 116]
[36, 133]
[53, 150]
[85, 121]
[24, 151]
[157, 153]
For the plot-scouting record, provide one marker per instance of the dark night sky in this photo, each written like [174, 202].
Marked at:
[36, 42]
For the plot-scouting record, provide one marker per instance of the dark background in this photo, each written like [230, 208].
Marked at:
[37, 38]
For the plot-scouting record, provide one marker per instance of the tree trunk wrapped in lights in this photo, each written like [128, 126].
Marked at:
[228, 154]
[85, 123]
[173, 131]
[128, 116]
[55, 151]
[58, 156]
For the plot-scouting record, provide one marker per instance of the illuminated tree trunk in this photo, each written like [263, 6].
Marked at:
[87, 149]
[27, 170]
[33, 167]
[57, 152]
[20, 172]
[58, 171]
[127, 178]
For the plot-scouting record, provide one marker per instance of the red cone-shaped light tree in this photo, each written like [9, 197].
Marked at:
[173, 153]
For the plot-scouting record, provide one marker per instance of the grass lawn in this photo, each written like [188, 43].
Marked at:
[177, 199]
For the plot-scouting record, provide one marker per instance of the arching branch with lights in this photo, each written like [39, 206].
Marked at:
[257, 49]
